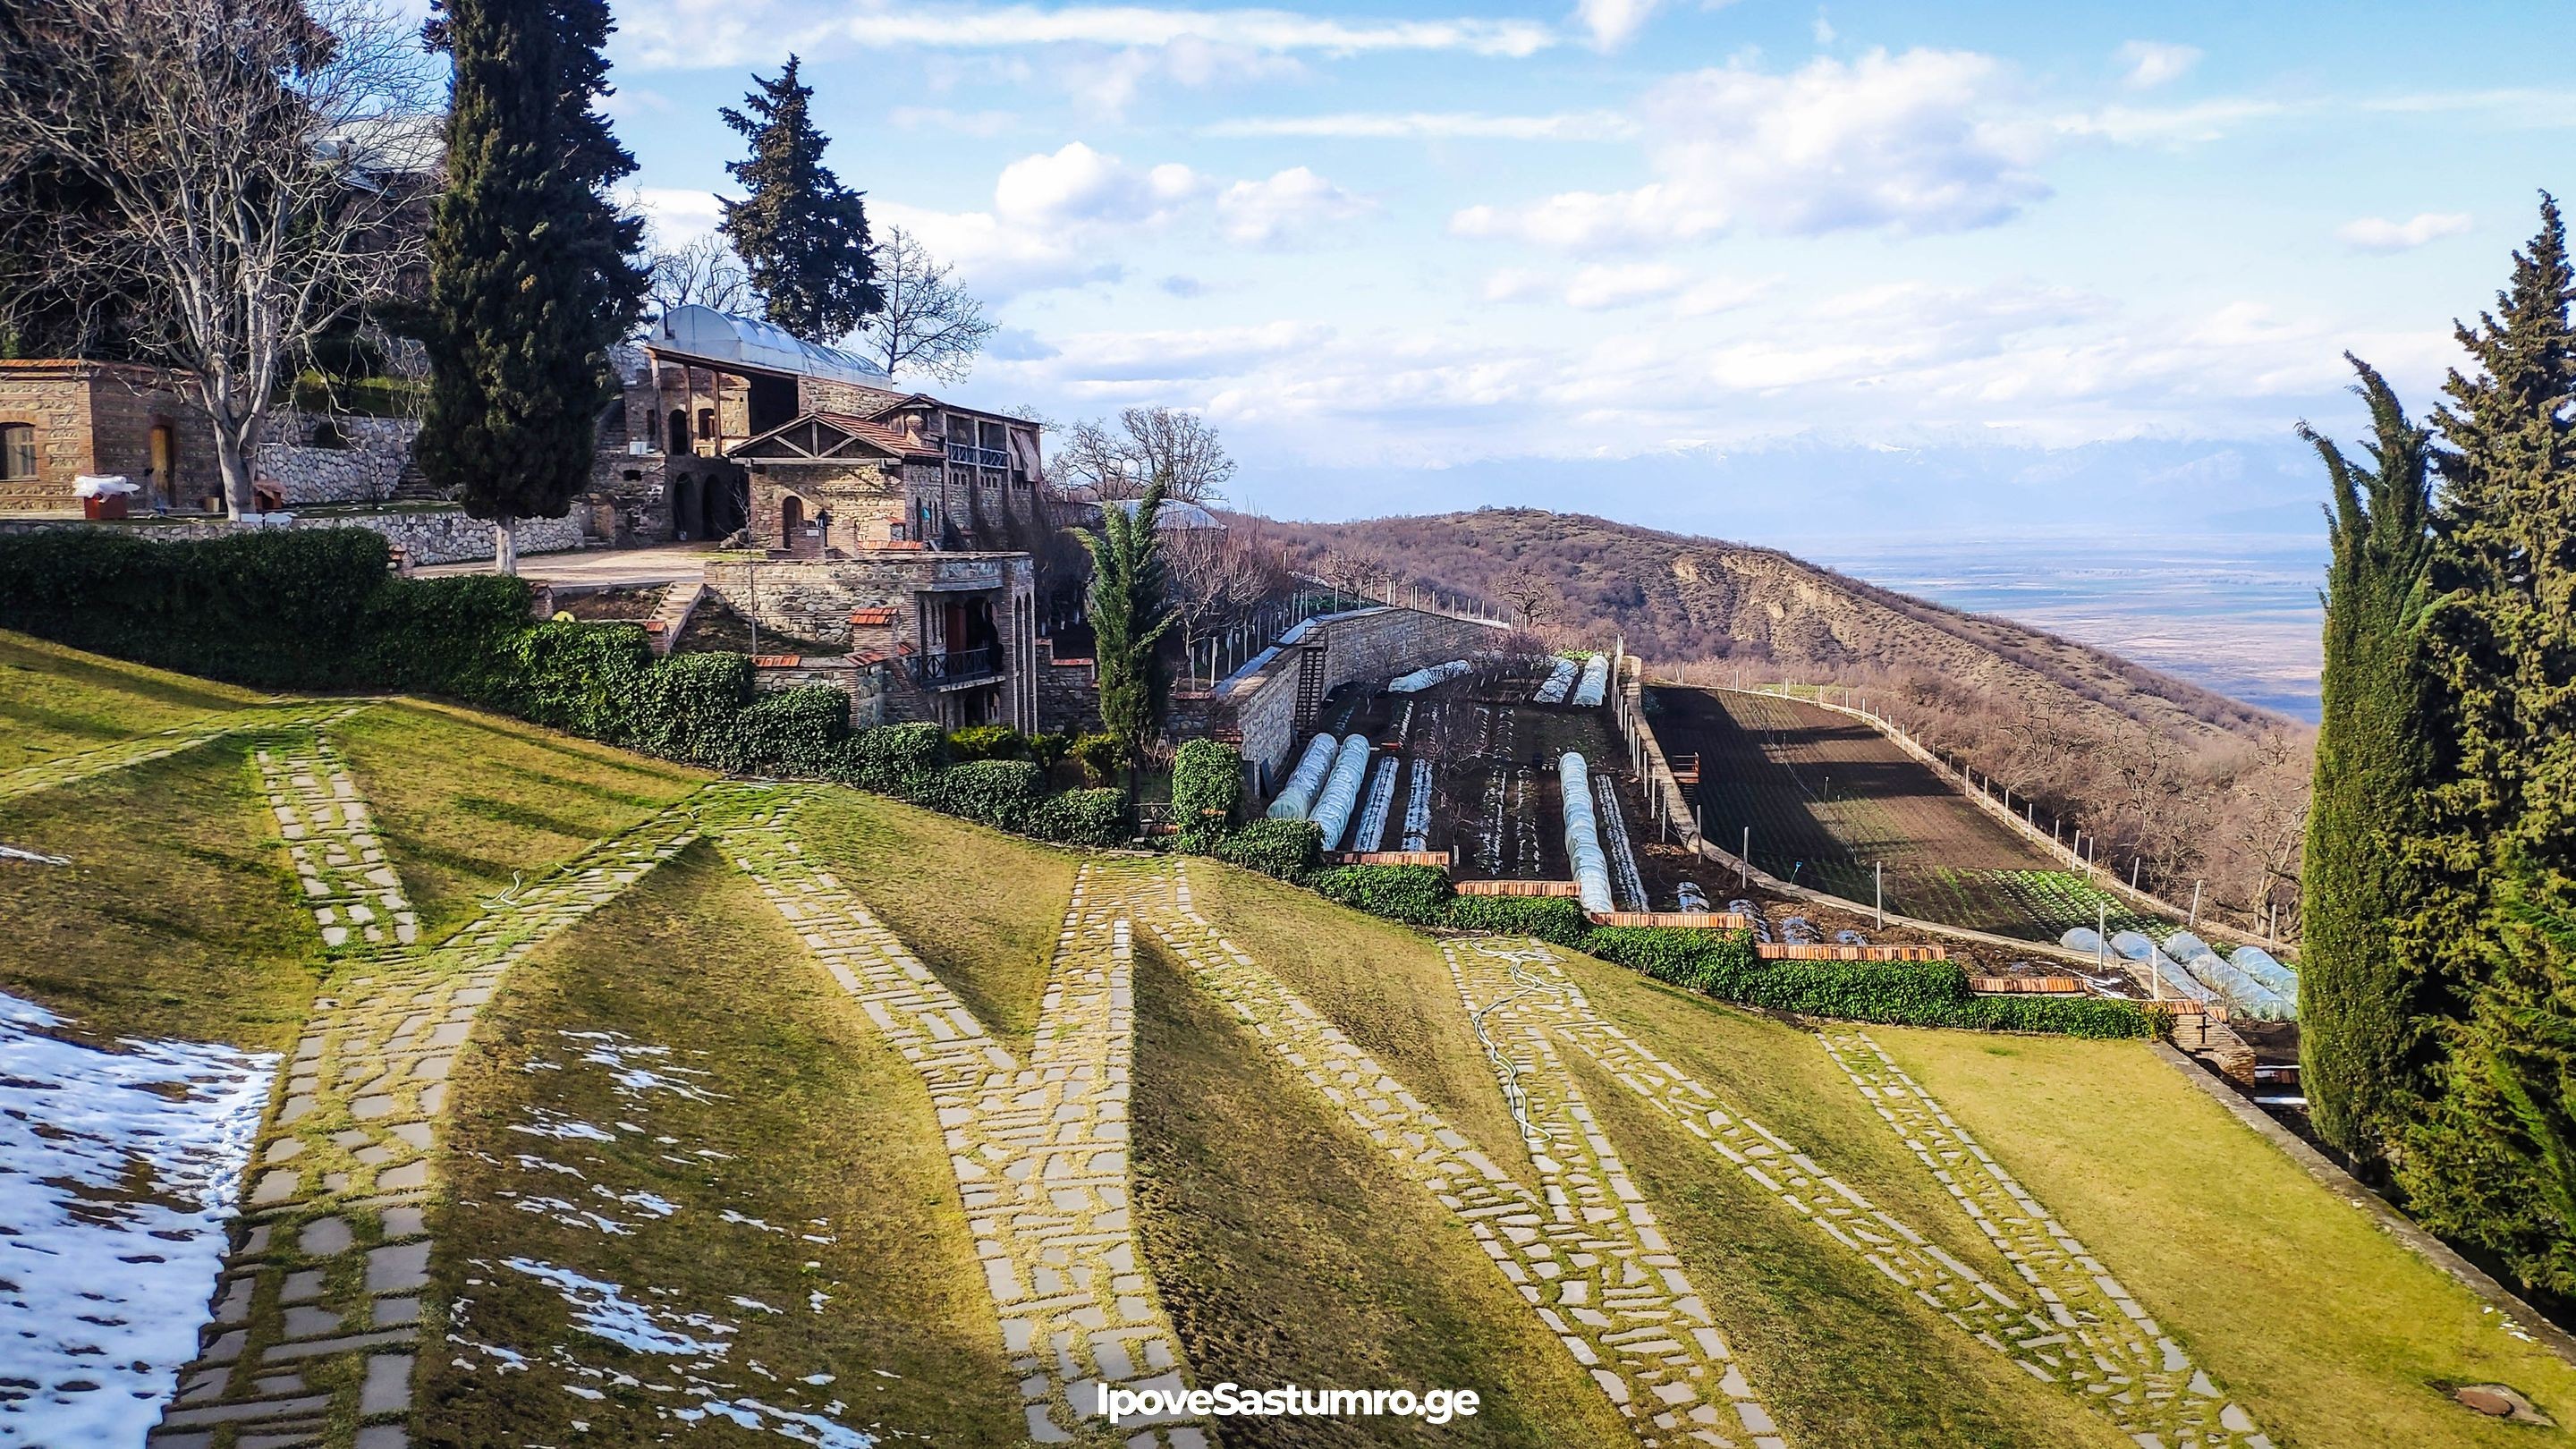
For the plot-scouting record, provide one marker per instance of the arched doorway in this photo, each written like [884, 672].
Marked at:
[684, 506]
[791, 521]
[679, 430]
[164, 464]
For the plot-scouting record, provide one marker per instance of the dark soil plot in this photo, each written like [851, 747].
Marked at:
[1828, 798]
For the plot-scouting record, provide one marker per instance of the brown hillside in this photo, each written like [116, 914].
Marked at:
[1676, 597]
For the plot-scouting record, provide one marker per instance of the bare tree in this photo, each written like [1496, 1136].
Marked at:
[261, 163]
[703, 272]
[1149, 445]
[1532, 595]
[1356, 575]
[930, 323]
[1216, 579]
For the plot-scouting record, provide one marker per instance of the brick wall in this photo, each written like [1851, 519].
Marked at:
[1068, 693]
[431, 537]
[97, 417]
[867, 683]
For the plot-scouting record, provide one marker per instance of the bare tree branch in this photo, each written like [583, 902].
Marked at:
[703, 273]
[1150, 445]
[930, 323]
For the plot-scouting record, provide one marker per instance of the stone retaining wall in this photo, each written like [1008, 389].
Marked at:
[1260, 706]
[363, 469]
[430, 537]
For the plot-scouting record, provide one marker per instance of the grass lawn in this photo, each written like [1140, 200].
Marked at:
[1385, 985]
[777, 1150]
[1813, 1321]
[465, 801]
[2329, 1332]
[56, 701]
[177, 916]
[1287, 1250]
[980, 908]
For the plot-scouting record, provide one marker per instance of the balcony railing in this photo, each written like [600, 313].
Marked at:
[957, 667]
[979, 457]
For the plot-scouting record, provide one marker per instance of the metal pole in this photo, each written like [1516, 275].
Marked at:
[2272, 932]
[1878, 879]
[2195, 903]
[2133, 872]
[1744, 860]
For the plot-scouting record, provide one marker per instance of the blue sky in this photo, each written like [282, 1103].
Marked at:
[1758, 269]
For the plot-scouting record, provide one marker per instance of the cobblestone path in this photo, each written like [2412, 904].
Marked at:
[126, 754]
[2036, 1324]
[318, 1312]
[2100, 1337]
[352, 889]
[1040, 1147]
[1582, 1248]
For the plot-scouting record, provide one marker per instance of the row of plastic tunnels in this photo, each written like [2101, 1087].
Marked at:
[1588, 682]
[2247, 980]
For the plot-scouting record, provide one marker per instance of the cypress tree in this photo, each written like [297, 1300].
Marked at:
[1130, 613]
[2357, 995]
[532, 271]
[2491, 1156]
[801, 234]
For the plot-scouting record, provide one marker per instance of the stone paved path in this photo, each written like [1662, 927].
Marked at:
[2103, 1339]
[1039, 1147]
[2032, 1323]
[126, 754]
[348, 883]
[1582, 1248]
[318, 1310]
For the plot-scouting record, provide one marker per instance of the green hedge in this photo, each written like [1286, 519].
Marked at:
[1001, 793]
[987, 742]
[897, 759]
[1415, 894]
[1083, 817]
[1287, 849]
[1558, 920]
[1207, 784]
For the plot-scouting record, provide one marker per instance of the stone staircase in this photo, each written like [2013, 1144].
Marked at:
[413, 486]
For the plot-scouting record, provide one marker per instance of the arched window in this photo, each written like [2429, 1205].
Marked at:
[679, 430]
[17, 450]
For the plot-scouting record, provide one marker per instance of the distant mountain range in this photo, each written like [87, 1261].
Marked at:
[1678, 598]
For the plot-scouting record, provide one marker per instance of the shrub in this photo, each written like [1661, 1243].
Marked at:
[1559, 920]
[453, 636]
[987, 742]
[786, 732]
[1100, 755]
[1001, 793]
[584, 679]
[1049, 749]
[1287, 849]
[684, 707]
[1207, 784]
[1083, 817]
[898, 759]
[1415, 894]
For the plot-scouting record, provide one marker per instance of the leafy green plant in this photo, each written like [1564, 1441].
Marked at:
[1100, 755]
[1001, 793]
[1082, 817]
[898, 759]
[1415, 894]
[1049, 749]
[1558, 920]
[1207, 785]
[987, 742]
[1287, 849]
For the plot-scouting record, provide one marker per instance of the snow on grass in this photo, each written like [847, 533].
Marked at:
[118, 1171]
[603, 1311]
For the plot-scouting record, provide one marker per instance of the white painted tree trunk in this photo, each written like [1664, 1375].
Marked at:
[505, 548]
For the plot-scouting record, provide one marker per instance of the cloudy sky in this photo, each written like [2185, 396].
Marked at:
[1722, 266]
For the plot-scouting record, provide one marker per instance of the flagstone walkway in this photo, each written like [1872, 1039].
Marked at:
[352, 889]
[126, 754]
[1583, 1249]
[318, 1313]
[1039, 1147]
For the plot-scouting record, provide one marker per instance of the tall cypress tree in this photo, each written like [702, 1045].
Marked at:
[801, 234]
[2492, 1155]
[1130, 613]
[532, 271]
[2358, 995]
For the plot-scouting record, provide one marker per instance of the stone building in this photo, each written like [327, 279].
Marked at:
[61, 418]
[957, 631]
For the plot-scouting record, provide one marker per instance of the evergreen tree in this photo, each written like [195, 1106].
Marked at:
[532, 271]
[802, 234]
[1130, 613]
[2491, 1156]
[2358, 995]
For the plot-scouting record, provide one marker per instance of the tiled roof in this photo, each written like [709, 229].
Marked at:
[881, 614]
[891, 439]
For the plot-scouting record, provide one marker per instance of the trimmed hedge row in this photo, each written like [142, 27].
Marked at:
[1724, 964]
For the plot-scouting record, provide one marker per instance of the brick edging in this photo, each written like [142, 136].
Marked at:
[2520, 1318]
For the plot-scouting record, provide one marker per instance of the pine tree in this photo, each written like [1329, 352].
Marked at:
[1130, 613]
[2358, 995]
[2491, 1157]
[532, 271]
[802, 234]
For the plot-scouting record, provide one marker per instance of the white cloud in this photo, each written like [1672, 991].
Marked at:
[1606, 286]
[1432, 126]
[1613, 23]
[2375, 234]
[1107, 86]
[2168, 125]
[1925, 141]
[2151, 63]
[693, 34]
[674, 216]
[1600, 286]
[962, 123]
[1078, 184]
[1050, 212]
[1823, 29]
[1294, 200]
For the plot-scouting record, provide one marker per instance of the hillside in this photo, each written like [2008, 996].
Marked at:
[1678, 598]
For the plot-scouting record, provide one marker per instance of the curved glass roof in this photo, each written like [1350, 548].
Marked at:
[721, 337]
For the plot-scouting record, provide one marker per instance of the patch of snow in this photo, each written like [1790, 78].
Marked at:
[560, 1126]
[787, 1424]
[11, 852]
[118, 1171]
[601, 1309]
